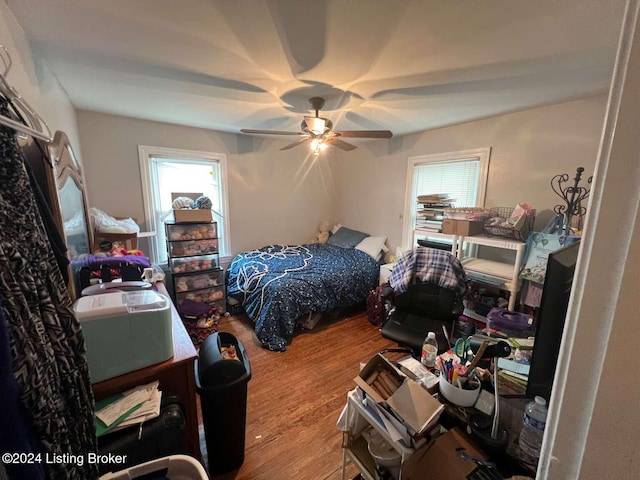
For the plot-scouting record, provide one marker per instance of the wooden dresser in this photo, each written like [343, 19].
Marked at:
[176, 374]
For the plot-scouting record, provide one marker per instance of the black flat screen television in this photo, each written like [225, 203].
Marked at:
[554, 303]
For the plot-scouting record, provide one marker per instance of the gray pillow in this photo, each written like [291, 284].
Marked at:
[346, 238]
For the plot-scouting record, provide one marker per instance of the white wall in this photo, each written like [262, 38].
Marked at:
[593, 421]
[527, 149]
[35, 82]
[274, 196]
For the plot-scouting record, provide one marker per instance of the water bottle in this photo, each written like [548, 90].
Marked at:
[429, 351]
[535, 418]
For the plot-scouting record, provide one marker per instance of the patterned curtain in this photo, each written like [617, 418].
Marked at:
[46, 343]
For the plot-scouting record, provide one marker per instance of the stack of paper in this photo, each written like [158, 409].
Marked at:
[129, 408]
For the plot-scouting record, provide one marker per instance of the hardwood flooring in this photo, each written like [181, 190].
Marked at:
[295, 397]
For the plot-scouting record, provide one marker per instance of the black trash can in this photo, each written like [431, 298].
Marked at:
[221, 382]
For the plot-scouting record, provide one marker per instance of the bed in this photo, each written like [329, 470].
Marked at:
[279, 284]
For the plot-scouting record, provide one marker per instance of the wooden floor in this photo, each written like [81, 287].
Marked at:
[295, 397]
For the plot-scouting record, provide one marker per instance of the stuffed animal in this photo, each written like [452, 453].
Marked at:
[182, 285]
[117, 250]
[323, 232]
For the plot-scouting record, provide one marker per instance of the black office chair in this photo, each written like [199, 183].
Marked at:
[423, 308]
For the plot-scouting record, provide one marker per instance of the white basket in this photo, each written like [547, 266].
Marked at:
[178, 467]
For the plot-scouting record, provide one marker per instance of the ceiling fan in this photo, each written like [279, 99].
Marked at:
[319, 132]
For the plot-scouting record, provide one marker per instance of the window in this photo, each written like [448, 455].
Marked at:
[166, 170]
[462, 175]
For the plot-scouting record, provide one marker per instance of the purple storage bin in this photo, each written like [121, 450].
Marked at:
[515, 324]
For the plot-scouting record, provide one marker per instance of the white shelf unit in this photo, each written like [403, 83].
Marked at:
[500, 274]
[358, 452]
[503, 275]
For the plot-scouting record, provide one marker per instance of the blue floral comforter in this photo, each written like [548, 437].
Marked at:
[278, 284]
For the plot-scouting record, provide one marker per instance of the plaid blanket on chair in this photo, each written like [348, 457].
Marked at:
[428, 265]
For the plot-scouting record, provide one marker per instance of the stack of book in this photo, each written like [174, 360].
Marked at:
[514, 370]
[430, 211]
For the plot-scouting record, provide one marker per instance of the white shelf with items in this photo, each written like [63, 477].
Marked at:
[355, 450]
[501, 274]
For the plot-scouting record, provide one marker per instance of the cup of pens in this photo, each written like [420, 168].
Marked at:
[459, 390]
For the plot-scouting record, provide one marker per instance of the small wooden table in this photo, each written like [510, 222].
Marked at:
[176, 374]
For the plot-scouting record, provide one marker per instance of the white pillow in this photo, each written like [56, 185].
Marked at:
[372, 246]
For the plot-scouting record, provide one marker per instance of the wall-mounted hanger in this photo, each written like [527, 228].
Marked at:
[35, 125]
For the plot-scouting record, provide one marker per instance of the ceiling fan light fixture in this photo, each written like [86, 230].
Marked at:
[319, 132]
[317, 145]
[316, 125]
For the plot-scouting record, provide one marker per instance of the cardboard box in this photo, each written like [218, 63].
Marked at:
[441, 460]
[368, 375]
[408, 400]
[462, 227]
[190, 215]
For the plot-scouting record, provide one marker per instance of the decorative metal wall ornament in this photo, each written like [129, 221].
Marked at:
[573, 195]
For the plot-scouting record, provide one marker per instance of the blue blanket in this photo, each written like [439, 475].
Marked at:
[278, 284]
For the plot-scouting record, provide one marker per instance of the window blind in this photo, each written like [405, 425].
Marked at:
[458, 179]
[178, 175]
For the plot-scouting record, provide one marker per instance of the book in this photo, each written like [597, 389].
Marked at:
[513, 366]
[516, 377]
[433, 198]
[507, 383]
[522, 343]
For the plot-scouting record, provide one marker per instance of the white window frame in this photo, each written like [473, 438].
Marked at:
[482, 154]
[145, 153]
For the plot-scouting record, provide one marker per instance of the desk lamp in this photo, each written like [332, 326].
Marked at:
[489, 348]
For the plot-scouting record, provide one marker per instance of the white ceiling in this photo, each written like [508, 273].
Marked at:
[401, 65]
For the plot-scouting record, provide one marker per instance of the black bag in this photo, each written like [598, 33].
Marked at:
[159, 437]
[377, 304]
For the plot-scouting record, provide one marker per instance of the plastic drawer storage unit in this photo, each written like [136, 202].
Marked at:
[191, 231]
[191, 247]
[199, 280]
[208, 295]
[194, 263]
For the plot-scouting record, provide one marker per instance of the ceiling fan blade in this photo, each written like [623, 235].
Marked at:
[336, 142]
[270, 132]
[364, 134]
[295, 144]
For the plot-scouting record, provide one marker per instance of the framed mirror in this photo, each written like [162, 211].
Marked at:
[73, 201]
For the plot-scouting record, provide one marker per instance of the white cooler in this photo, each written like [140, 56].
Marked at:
[125, 331]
